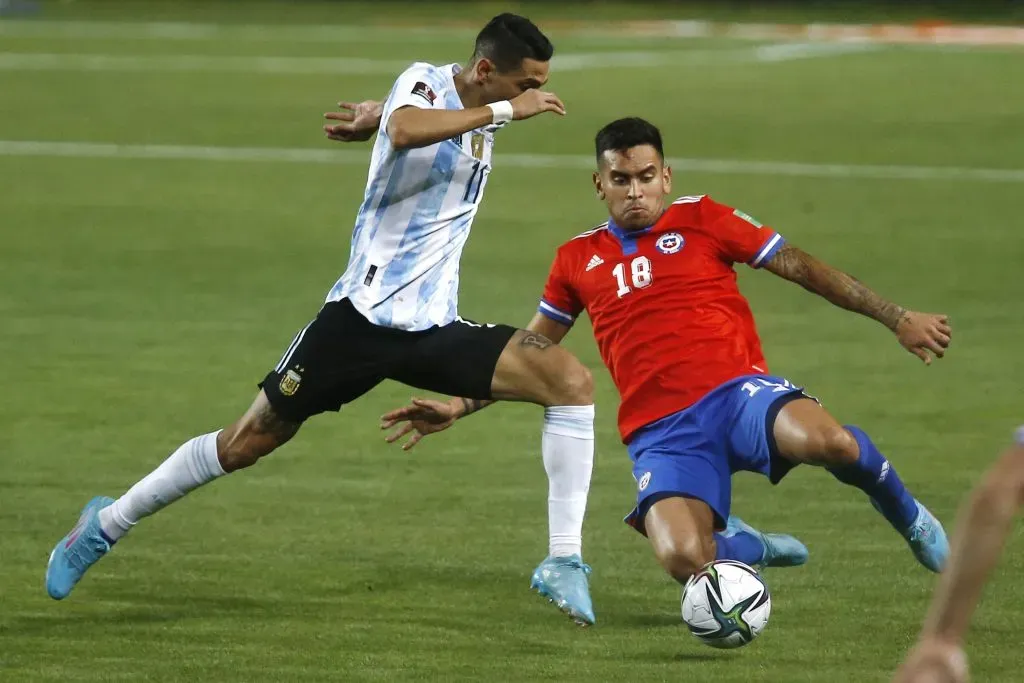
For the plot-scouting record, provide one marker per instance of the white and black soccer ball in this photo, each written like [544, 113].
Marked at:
[726, 604]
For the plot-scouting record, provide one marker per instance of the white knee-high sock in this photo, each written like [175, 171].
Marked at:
[568, 448]
[192, 465]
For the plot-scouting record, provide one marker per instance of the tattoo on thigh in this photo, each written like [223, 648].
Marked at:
[535, 340]
[266, 421]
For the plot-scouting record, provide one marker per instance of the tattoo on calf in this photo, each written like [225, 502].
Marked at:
[535, 340]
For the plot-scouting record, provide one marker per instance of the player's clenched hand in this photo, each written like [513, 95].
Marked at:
[421, 417]
[934, 662]
[359, 121]
[533, 102]
[924, 334]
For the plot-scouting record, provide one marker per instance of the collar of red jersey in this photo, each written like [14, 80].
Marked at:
[624, 234]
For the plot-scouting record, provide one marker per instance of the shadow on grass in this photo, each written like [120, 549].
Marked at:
[128, 610]
[649, 620]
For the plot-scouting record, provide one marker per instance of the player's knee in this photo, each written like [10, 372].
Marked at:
[575, 385]
[833, 446]
[685, 557]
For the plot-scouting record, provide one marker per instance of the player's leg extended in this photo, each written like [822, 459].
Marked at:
[681, 533]
[531, 368]
[681, 474]
[691, 456]
[198, 461]
[329, 363]
[805, 432]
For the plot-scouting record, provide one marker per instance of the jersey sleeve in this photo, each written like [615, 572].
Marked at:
[560, 301]
[421, 85]
[741, 238]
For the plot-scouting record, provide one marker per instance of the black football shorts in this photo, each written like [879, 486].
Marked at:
[341, 355]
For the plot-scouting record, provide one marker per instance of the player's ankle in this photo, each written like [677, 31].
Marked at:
[565, 549]
[112, 527]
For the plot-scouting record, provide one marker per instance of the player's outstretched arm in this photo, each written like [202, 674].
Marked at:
[982, 528]
[357, 121]
[922, 334]
[411, 127]
[425, 416]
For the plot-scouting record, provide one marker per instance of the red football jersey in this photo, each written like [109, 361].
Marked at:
[668, 317]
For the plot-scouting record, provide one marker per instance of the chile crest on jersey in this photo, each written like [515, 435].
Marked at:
[669, 243]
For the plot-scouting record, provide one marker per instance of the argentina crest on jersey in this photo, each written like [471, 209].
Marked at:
[476, 146]
[670, 243]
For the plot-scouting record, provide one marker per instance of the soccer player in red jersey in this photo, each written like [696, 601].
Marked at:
[698, 403]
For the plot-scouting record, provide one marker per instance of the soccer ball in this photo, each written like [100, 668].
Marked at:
[726, 604]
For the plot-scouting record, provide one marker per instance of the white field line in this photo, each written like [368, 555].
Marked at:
[116, 30]
[786, 52]
[29, 61]
[32, 148]
[22, 61]
[922, 34]
[765, 53]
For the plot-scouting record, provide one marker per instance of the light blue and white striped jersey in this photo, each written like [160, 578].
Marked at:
[419, 205]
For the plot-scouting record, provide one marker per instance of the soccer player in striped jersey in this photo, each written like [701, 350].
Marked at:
[982, 527]
[698, 403]
[393, 314]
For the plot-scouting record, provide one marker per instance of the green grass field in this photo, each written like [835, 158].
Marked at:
[142, 298]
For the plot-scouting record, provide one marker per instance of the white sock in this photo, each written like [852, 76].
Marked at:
[192, 465]
[568, 448]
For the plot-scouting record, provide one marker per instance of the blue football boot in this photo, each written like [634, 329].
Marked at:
[926, 537]
[780, 550]
[77, 551]
[563, 581]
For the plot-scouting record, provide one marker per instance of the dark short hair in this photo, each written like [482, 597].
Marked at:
[508, 39]
[623, 134]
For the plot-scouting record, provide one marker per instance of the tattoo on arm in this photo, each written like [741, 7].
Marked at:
[471, 405]
[535, 340]
[841, 289]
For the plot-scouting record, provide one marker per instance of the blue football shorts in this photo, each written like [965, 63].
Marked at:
[694, 452]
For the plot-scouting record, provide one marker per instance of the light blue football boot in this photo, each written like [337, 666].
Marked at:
[563, 581]
[926, 537]
[780, 550]
[77, 551]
